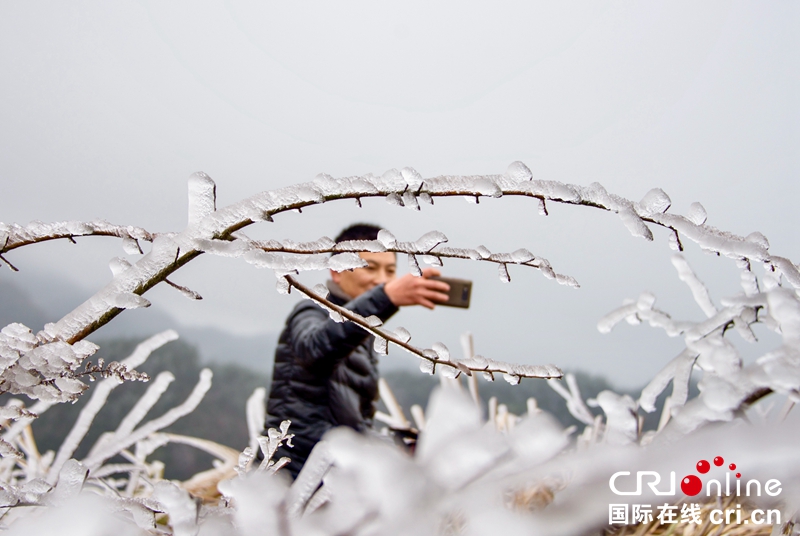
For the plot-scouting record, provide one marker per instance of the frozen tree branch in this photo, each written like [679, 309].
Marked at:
[433, 356]
[14, 236]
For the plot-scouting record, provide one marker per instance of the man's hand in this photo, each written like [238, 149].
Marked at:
[414, 290]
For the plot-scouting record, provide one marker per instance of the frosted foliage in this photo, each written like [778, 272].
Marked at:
[470, 474]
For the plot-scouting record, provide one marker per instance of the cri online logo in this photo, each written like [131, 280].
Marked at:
[692, 485]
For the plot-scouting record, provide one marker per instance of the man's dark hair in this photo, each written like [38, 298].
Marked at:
[358, 231]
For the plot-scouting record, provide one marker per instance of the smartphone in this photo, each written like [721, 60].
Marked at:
[460, 292]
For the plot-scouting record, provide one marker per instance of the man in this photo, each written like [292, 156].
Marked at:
[326, 373]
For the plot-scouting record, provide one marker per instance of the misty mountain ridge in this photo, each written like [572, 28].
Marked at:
[50, 299]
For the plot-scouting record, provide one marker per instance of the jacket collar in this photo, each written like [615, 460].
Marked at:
[339, 296]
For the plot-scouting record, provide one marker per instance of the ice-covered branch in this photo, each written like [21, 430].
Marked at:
[13, 236]
[316, 255]
[404, 188]
[432, 357]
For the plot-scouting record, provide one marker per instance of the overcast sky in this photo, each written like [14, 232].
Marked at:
[107, 107]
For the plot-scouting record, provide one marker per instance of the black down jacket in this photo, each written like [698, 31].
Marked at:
[326, 373]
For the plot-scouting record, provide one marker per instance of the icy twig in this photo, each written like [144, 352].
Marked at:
[15, 236]
[113, 447]
[483, 365]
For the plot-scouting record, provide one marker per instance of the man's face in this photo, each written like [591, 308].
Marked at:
[382, 268]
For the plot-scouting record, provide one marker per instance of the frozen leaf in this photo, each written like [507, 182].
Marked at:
[442, 352]
[654, 202]
[448, 372]
[130, 246]
[541, 206]
[486, 186]
[430, 240]
[381, 346]
[522, 255]
[697, 214]
[402, 334]
[410, 200]
[426, 366]
[387, 239]
[321, 291]
[759, 239]
[346, 261]
[488, 376]
[502, 271]
[394, 199]
[483, 252]
[411, 177]
[513, 379]
[413, 265]
[282, 285]
[425, 197]
[517, 171]
[374, 321]
[431, 260]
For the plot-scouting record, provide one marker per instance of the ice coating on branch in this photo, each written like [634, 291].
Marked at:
[699, 290]
[622, 425]
[483, 251]
[372, 246]
[118, 265]
[759, 239]
[697, 214]
[70, 480]
[202, 197]
[179, 505]
[572, 396]
[654, 202]
[127, 300]
[430, 240]
[517, 171]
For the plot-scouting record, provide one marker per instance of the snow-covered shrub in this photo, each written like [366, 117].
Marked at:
[521, 474]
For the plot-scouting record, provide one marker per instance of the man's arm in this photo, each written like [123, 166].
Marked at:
[315, 336]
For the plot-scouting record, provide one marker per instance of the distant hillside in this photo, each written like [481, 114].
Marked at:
[48, 300]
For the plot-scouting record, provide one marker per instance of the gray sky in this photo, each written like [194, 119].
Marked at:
[107, 108]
